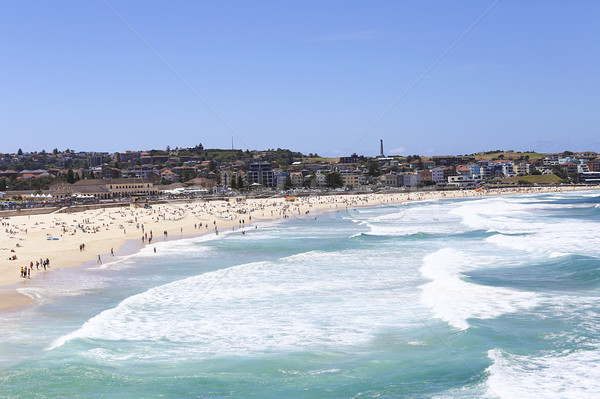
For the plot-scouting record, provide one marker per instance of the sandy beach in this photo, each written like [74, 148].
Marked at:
[68, 239]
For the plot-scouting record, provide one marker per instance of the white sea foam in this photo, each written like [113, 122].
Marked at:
[455, 300]
[430, 218]
[552, 375]
[302, 301]
[523, 224]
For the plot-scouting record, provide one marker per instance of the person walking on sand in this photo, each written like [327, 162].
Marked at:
[99, 261]
[111, 252]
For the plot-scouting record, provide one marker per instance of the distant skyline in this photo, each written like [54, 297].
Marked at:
[309, 76]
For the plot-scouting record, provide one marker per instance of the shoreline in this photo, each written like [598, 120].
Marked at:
[186, 219]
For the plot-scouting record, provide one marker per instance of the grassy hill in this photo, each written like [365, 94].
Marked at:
[539, 179]
[509, 155]
[321, 160]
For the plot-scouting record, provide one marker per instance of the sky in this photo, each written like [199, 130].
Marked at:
[328, 77]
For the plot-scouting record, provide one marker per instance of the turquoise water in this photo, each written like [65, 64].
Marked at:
[490, 297]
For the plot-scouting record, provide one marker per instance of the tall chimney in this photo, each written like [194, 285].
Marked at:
[381, 144]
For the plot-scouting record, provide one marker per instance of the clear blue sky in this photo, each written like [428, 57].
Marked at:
[312, 76]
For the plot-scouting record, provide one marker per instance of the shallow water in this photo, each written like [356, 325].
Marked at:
[491, 297]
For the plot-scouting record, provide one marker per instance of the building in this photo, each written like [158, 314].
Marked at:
[425, 176]
[524, 168]
[408, 179]
[390, 180]
[279, 177]
[208, 184]
[104, 188]
[140, 172]
[297, 179]
[437, 175]
[95, 160]
[321, 178]
[352, 159]
[462, 181]
[126, 157]
[262, 173]
[569, 167]
[352, 180]
[589, 177]
[593, 165]
[169, 175]
[451, 160]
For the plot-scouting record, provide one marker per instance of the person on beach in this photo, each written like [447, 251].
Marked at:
[99, 261]
[112, 252]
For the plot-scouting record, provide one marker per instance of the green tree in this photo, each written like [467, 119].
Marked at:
[3, 184]
[233, 181]
[287, 185]
[20, 152]
[334, 180]
[240, 182]
[212, 166]
[55, 151]
[185, 176]
[374, 169]
[558, 171]
[70, 176]
[309, 181]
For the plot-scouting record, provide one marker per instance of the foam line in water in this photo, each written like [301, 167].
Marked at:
[301, 301]
[552, 375]
[455, 300]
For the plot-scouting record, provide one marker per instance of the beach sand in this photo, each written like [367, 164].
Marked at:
[58, 236]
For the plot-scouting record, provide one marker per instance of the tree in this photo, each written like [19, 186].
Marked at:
[55, 151]
[240, 182]
[233, 181]
[558, 171]
[70, 176]
[287, 185]
[374, 168]
[3, 184]
[20, 152]
[309, 180]
[334, 180]
[212, 166]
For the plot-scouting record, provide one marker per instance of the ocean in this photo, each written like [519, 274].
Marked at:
[493, 297]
